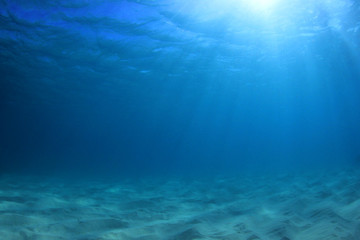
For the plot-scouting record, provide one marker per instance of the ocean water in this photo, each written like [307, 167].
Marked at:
[188, 111]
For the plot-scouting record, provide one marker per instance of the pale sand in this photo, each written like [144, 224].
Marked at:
[302, 207]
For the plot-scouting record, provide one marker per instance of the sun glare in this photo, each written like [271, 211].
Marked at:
[262, 5]
[254, 6]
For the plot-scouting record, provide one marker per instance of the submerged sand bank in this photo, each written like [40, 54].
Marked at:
[310, 206]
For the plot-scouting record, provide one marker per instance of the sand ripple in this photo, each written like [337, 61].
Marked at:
[291, 207]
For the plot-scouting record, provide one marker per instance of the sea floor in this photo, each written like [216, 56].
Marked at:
[307, 206]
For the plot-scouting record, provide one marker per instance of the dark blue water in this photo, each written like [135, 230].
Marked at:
[138, 87]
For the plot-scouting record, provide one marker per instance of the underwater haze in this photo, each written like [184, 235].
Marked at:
[144, 87]
[180, 120]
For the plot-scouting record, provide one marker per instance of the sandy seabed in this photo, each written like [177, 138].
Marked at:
[283, 207]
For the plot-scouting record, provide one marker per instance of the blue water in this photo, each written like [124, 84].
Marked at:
[139, 87]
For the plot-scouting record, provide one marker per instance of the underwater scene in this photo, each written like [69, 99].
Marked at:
[180, 120]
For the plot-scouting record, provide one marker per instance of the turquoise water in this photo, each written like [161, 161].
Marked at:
[139, 87]
[180, 120]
